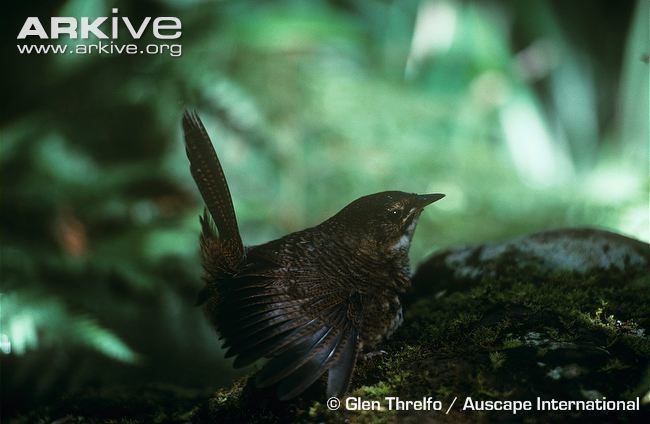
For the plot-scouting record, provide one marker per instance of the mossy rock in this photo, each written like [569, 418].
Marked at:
[558, 315]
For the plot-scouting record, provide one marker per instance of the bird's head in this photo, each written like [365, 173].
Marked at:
[386, 219]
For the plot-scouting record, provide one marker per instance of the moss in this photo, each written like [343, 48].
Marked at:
[227, 398]
[511, 343]
[153, 403]
[517, 334]
[497, 359]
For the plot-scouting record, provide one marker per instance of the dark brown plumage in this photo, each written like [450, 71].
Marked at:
[312, 300]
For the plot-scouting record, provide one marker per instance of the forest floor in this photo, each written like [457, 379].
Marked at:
[558, 315]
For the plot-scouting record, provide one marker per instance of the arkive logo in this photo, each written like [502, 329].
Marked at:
[103, 28]
[105, 35]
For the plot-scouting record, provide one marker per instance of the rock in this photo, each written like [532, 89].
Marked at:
[583, 251]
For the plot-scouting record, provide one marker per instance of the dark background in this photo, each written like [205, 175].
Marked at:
[528, 115]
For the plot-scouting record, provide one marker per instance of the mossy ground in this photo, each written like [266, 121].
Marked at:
[524, 334]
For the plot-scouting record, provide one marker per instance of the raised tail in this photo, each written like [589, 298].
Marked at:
[211, 181]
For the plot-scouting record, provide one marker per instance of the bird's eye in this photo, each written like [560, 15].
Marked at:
[395, 214]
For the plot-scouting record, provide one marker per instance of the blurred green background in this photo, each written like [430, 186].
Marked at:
[528, 115]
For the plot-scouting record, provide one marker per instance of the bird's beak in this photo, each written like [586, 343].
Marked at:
[422, 200]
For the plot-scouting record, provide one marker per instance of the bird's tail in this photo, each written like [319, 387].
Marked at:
[211, 181]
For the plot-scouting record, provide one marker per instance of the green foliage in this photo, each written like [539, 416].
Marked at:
[33, 323]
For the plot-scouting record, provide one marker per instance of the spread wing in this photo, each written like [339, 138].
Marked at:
[303, 330]
[211, 181]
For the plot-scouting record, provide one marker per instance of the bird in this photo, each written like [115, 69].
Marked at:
[312, 301]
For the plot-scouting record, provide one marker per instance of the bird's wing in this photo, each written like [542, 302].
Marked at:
[211, 181]
[302, 335]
